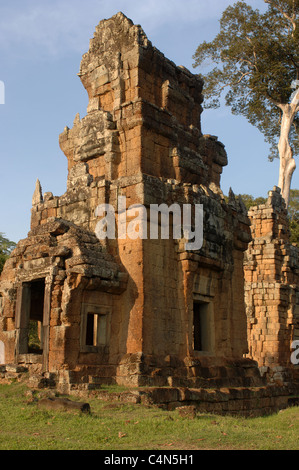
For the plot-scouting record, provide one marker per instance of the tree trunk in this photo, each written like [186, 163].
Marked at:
[287, 161]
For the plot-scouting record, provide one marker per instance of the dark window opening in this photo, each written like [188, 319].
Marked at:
[91, 330]
[197, 339]
[35, 327]
[201, 326]
[96, 325]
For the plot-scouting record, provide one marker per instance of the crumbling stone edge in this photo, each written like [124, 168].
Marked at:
[247, 402]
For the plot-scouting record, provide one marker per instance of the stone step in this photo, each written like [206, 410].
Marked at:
[42, 380]
[12, 371]
[225, 372]
[88, 383]
[242, 401]
[198, 382]
[30, 359]
[15, 368]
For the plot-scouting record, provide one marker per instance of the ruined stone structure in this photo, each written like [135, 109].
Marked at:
[133, 311]
[272, 290]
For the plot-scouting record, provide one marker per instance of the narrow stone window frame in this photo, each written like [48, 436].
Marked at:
[203, 324]
[95, 328]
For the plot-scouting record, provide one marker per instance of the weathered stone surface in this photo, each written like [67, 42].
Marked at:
[2, 353]
[63, 404]
[271, 289]
[129, 309]
[37, 197]
[187, 411]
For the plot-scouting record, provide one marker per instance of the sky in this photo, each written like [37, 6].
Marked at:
[41, 46]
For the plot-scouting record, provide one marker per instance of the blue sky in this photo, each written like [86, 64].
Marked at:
[41, 46]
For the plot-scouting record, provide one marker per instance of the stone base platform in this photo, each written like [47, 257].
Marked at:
[238, 401]
[251, 401]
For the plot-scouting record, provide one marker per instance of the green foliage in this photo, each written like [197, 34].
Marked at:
[256, 57]
[34, 344]
[293, 211]
[250, 201]
[6, 246]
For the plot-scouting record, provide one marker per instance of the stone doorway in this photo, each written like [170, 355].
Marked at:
[32, 321]
[36, 316]
[203, 327]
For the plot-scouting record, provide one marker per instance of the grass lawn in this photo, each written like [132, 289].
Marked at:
[115, 426]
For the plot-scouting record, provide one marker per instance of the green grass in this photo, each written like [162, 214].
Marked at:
[23, 426]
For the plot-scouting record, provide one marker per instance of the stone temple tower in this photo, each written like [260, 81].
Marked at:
[132, 309]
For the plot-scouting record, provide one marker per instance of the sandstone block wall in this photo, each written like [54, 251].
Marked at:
[141, 138]
[272, 288]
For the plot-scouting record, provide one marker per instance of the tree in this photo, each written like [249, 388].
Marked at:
[250, 201]
[6, 246]
[293, 211]
[294, 216]
[256, 58]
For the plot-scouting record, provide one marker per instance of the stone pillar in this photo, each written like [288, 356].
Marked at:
[271, 289]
